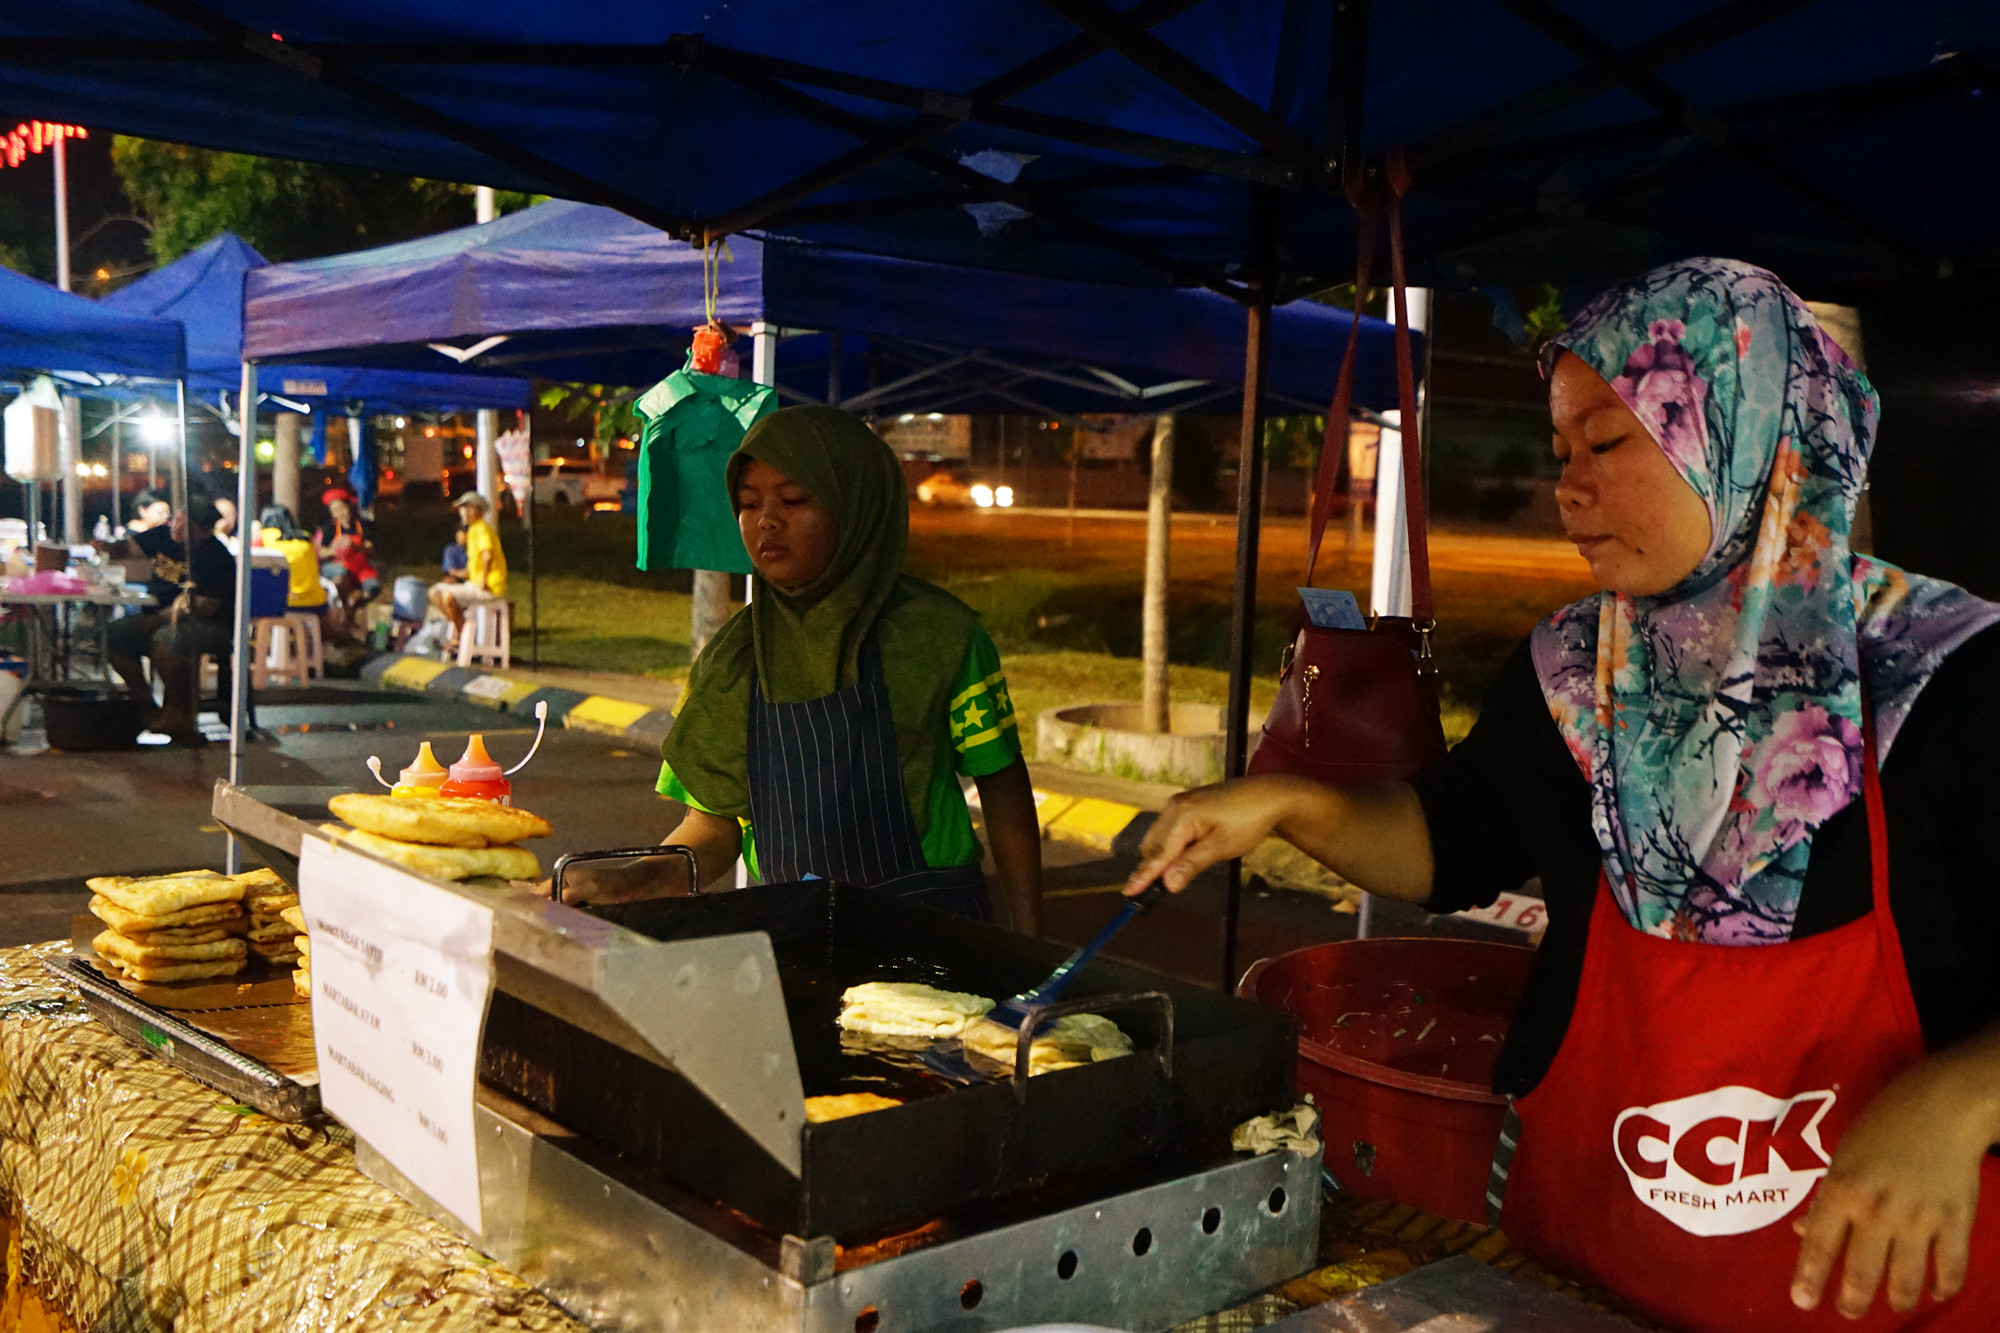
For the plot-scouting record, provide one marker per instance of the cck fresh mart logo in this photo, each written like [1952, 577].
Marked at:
[1724, 1162]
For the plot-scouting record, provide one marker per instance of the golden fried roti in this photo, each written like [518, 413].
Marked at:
[270, 904]
[304, 946]
[136, 923]
[262, 880]
[839, 1106]
[444, 862]
[130, 953]
[296, 916]
[1074, 1039]
[158, 895]
[302, 982]
[184, 971]
[439, 821]
[275, 951]
[153, 939]
[277, 928]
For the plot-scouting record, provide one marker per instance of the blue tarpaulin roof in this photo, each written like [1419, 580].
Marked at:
[44, 328]
[575, 292]
[203, 289]
[1113, 140]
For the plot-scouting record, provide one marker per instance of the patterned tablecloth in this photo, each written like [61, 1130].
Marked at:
[134, 1200]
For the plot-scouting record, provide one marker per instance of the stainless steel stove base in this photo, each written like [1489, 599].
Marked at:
[1140, 1261]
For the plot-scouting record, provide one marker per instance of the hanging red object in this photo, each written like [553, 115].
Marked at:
[710, 342]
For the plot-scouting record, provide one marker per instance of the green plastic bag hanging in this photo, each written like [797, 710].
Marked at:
[693, 423]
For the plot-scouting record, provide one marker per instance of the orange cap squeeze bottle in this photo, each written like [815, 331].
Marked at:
[423, 777]
[477, 776]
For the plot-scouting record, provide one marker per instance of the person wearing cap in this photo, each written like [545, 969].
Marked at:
[344, 548]
[485, 578]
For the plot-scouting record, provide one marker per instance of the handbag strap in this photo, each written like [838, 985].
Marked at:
[1369, 199]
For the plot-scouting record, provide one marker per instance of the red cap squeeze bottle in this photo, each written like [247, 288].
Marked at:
[476, 775]
[423, 777]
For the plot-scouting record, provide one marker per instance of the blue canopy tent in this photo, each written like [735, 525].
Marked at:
[570, 291]
[1845, 143]
[45, 329]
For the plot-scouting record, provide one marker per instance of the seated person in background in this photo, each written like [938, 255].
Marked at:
[280, 532]
[455, 559]
[345, 549]
[198, 625]
[154, 534]
[485, 566]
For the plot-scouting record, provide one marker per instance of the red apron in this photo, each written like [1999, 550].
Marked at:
[1696, 1100]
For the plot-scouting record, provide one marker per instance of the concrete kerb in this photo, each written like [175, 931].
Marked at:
[634, 722]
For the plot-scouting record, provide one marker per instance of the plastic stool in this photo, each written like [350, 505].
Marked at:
[280, 651]
[486, 638]
[310, 626]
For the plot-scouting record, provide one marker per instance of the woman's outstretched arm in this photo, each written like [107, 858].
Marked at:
[1374, 835]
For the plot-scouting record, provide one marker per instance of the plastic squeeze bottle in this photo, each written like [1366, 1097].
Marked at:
[477, 776]
[423, 777]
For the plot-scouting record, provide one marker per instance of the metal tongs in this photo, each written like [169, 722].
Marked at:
[947, 1058]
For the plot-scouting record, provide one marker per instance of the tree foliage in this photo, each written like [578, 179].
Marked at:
[286, 210]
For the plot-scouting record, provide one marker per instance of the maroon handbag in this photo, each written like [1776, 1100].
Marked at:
[1362, 705]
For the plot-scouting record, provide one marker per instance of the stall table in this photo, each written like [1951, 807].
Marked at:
[134, 1197]
[51, 621]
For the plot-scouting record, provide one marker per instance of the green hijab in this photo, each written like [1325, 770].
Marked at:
[806, 643]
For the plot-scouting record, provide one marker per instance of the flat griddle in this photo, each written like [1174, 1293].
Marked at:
[1204, 1063]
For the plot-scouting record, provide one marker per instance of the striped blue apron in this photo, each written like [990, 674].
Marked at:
[827, 798]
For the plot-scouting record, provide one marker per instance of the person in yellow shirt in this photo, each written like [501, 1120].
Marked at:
[485, 565]
[280, 532]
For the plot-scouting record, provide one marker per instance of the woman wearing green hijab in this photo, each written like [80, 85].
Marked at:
[824, 729]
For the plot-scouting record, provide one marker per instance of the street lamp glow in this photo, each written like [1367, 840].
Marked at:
[401, 422]
[156, 430]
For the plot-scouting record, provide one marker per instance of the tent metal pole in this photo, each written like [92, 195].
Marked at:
[534, 580]
[1243, 599]
[239, 657]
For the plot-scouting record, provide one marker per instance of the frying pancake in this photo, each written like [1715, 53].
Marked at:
[296, 916]
[158, 895]
[908, 1009]
[444, 862]
[1075, 1039]
[134, 923]
[130, 953]
[819, 1110]
[439, 821]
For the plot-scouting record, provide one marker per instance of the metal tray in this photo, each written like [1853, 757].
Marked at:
[201, 1055]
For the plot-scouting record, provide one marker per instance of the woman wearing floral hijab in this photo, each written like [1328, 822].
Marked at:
[1757, 1070]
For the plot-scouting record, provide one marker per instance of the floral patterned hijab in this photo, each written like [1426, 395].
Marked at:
[1719, 723]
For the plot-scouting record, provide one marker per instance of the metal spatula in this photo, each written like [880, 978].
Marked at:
[947, 1058]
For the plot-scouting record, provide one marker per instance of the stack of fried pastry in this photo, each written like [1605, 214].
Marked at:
[271, 936]
[445, 837]
[302, 981]
[181, 927]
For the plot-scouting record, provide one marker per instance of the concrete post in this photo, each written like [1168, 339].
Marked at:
[1155, 715]
[285, 461]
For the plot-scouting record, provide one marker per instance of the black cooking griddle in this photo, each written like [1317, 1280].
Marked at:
[1204, 1063]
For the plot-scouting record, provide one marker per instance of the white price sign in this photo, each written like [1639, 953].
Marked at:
[401, 974]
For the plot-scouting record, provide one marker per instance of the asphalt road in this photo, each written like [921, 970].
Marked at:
[67, 817]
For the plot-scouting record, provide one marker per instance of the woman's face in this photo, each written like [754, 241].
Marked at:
[789, 534]
[154, 514]
[1631, 514]
[340, 509]
[227, 508]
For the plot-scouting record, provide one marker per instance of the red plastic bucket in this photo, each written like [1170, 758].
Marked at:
[1397, 1042]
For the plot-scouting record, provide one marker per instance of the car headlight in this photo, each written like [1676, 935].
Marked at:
[1003, 496]
[982, 495]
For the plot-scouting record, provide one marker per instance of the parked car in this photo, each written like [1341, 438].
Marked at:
[557, 483]
[952, 486]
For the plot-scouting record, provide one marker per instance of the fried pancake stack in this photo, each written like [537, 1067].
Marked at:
[445, 837]
[188, 926]
[295, 917]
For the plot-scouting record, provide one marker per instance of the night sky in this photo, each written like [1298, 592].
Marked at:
[27, 216]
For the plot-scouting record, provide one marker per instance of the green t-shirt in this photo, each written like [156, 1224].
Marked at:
[978, 732]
